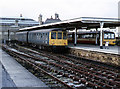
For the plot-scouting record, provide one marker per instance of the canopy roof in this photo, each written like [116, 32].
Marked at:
[82, 22]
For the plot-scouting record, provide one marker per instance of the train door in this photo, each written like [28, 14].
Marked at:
[52, 38]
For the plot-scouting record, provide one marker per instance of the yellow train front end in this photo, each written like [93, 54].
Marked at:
[109, 37]
[58, 40]
[111, 41]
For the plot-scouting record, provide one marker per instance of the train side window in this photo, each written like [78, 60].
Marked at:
[46, 37]
[70, 36]
[53, 35]
[59, 35]
[41, 35]
[78, 36]
[64, 35]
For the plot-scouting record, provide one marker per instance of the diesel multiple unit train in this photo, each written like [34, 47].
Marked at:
[57, 38]
[49, 39]
[93, 37]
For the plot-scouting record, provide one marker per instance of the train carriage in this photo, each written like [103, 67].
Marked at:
[118, 40]
[44, 38]
[109, 37]
[93, 37]
[21, 37]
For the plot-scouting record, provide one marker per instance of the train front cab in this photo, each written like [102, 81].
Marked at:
[58, 39]
[109, 37]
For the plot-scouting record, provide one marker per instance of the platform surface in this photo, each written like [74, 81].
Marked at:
[0, 75]
[112, 49]
[0, 69]
[17, 75]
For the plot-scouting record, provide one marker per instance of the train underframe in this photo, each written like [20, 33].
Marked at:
[51, 48]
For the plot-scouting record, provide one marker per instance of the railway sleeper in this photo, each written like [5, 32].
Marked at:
[102, 74]
[74, 77]
[62, 67]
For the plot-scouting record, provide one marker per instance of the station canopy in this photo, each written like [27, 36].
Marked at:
[79, 23]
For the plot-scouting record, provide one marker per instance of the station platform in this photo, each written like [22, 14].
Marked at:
[112, 49]
[12, 74]
[0, 74]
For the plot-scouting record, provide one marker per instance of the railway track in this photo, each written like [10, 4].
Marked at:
[67, 71]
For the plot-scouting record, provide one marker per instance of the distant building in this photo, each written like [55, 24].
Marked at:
[40, 19]
[20, 22]
[52, 20]
[9, 25]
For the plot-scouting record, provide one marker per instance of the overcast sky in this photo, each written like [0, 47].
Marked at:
[67, 9]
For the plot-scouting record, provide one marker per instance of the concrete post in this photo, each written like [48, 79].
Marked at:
[96, 37]
[8, 35]
[75, 41]
[101, 35]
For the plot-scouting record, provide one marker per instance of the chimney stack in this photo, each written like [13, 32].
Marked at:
[20, 15]
[56, 16]
[16, 22]
[40, 19]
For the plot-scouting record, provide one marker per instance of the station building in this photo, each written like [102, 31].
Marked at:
[21, 22]
[49, 20]
[9, 25]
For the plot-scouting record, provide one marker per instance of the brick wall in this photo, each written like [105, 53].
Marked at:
[97, 56]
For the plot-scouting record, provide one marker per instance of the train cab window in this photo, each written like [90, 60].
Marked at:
[112, 36]
[109, 36]
[53, 35]
[64, 35]
[105, 35]
[59, 35]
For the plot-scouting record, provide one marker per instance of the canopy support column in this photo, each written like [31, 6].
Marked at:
[101, 34]
[8, 35]
[96, 42]
[75, 40]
